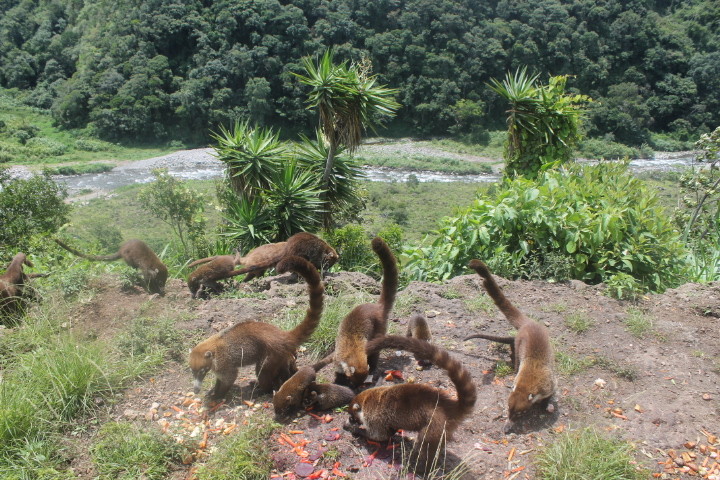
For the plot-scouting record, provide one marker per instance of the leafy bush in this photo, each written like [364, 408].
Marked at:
[353, 245]
[29, 207]
[80, 169]
[92, 145]
[603, 149]
[47, 147]
[600, 218]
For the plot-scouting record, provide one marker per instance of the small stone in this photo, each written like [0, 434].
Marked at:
[600, 383]
[706, 396]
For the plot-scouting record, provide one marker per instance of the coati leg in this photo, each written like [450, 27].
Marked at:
[223, 382]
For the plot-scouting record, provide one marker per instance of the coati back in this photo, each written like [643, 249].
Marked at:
[304, 245]
[326, 396]
[270, 349]
[377, 413]
[207, 275]
[419, 328]
[532, 354]
[365, 322]
[12, 283]
[289, 398]
[136, 254]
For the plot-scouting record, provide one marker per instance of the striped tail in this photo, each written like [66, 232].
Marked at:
[315, 291]
[390, 275]
[105, 258]
[514, 316]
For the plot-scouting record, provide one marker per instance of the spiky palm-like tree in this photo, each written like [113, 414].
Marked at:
[251, 154]
[543, 121]
[348, 100]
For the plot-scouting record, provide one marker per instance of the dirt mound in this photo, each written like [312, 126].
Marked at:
[658, 387]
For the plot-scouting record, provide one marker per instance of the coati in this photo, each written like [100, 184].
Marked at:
[136, 254]
[531, 351]
[207, 275]
[379, 412]
[271, 350]
[305, 245]
[289, 398]
[418, 328]
[12, 283]
[364, 323]
[326, 396]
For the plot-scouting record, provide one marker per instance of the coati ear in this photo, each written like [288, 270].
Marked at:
[313, 394]
[352, 370]
[356, 406]
[208, 354]
[288, 398]
[530, 397]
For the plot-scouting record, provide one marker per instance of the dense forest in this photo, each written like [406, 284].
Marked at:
[170, 69]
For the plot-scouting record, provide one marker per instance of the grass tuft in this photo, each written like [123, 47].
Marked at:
[637, 322]
[579, 322]
[586, 454]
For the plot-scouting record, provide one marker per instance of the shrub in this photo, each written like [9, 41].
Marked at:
[353, 245]
[92, 145]
[603, 149]
[46, 147]
[600, 218]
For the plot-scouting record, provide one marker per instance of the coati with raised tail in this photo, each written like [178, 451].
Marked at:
[419, 328]
[269, 348]
[289, 398]
[206, 276]
[531, 351]
[377, 413]
[305, 245]
[136, 254]
[365, 322]
[12, 283]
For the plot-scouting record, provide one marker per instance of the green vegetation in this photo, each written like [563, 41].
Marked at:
[124, 451]
[503, 369]
[80, 169]
[418, 162]
[584, 222]
[570, 365]
[543, 122]
[637, 322]
[238, 456]
[583, 454]
[579, 322]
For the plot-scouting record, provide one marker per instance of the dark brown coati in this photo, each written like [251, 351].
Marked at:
[136, 254]
[206, 276]
[305, 245]
[326, 396]
[419, 328]
[270, 349]
[377, 413]
[12, 284]
[365, 322]
[531, 351]
[289, 398]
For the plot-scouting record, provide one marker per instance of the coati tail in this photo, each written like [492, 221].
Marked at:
[514, 316]
[315, 291]
[493, 338]
[106, 258]
[459, 375]
[201, 260]
[390, 275]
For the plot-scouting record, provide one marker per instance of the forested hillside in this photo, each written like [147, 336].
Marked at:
[173, 69]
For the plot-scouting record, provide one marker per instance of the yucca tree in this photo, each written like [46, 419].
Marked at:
[342, 196]
[348, 100]
[251, 154]
[248, 223]
[543, 121]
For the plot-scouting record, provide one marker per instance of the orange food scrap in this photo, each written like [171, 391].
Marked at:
[327, 418]
[511, 454]
[295, 432]
[176, 408]
[229, 429]
[336, 470]
[559, 429]
[638, 408]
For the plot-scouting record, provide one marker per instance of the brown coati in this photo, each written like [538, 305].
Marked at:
[305, 245]
[12, 284]
[206, 276]
[326, 396]
[270, 349]
[365, 322]
[136, 254]
[419, 328]
[289, 398]
[377, 413]
[531, 352]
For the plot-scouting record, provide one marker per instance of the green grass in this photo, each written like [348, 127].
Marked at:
[241, 456]
[125, 451]
[558, 307]
[637, 322]
[569, 365]
[579, 322]
[480, 303]
[418, 162]
[450, 293]
[494, 148]
[628, 372]
[80, 169]
[503, 369]
[587, 454]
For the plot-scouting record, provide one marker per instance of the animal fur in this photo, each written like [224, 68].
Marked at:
[365, 322]
[531, 352]
[136, 254]
[206, 276]
[377, 413]
[326, 396]
[419, 328]
[270, 349]
[12, 284]
[303, 244]
[289, 398]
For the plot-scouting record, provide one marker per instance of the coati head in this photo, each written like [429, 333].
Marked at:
[156, 281]
[291, 394]
[201, 362]
[330, 258]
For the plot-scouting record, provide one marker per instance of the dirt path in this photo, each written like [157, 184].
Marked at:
[658, 391]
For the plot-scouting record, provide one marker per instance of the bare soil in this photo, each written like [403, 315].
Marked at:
[658, 391]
